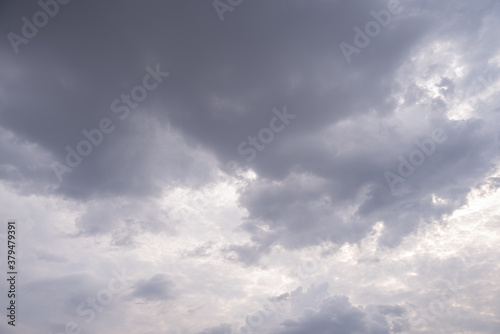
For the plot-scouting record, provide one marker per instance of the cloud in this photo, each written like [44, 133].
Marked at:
[219, 246]
[316, 311]
[221, 329]
[157, 288]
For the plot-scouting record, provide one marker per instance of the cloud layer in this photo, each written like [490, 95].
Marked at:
[281, 167]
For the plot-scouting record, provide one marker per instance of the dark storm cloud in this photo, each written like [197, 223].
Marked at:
[224, 82]
[74, 76]
[72, 84]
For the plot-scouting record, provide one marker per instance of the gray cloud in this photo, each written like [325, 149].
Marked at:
[158, 194]
[221, 329]
[158, 287]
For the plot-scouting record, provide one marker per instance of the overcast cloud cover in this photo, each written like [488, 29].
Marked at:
[251, 166]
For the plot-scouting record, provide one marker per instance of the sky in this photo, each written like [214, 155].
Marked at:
[238, 166]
